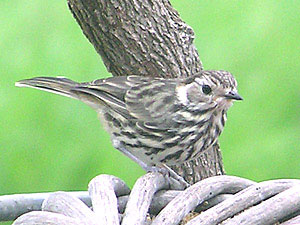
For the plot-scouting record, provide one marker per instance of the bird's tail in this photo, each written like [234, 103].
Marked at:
[89, 93]
[57, 85]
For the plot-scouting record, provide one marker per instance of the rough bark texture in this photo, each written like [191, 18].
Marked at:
[146, 38]
[207, 165]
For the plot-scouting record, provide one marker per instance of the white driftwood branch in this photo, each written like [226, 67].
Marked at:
[188, 200]
[102, 190]
[141, 197]
[231, 200]
[12, 206]
[271, 210]
[242, 200]
[64, 204]
[47, 218]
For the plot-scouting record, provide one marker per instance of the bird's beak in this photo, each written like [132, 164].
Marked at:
[233, 95]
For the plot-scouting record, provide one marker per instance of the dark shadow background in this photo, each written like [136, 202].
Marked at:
[49, 142]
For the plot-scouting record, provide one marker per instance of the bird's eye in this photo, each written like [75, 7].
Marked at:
[206, 89]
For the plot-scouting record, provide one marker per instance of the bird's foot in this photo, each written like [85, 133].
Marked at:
[167, 172]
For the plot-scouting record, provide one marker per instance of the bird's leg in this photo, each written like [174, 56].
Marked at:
[121, 148]
[174, 175]
[164, 169]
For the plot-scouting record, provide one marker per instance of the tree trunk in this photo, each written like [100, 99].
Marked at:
[146, 38]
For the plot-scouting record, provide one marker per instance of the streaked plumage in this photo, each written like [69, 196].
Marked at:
[157, 120]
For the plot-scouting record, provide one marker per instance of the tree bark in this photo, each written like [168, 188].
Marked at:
[146, 38]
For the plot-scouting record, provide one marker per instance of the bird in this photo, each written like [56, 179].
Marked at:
[157, 122]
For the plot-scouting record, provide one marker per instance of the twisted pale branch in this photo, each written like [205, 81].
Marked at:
[245, 202]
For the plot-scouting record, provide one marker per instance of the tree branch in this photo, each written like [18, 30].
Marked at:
[138, 37]
[146, 38]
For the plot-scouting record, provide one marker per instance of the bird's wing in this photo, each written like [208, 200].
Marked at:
[153, 104]
[146, 99]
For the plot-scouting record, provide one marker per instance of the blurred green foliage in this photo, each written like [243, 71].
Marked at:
[49, 142]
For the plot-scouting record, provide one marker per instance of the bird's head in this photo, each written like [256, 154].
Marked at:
[208, 89]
